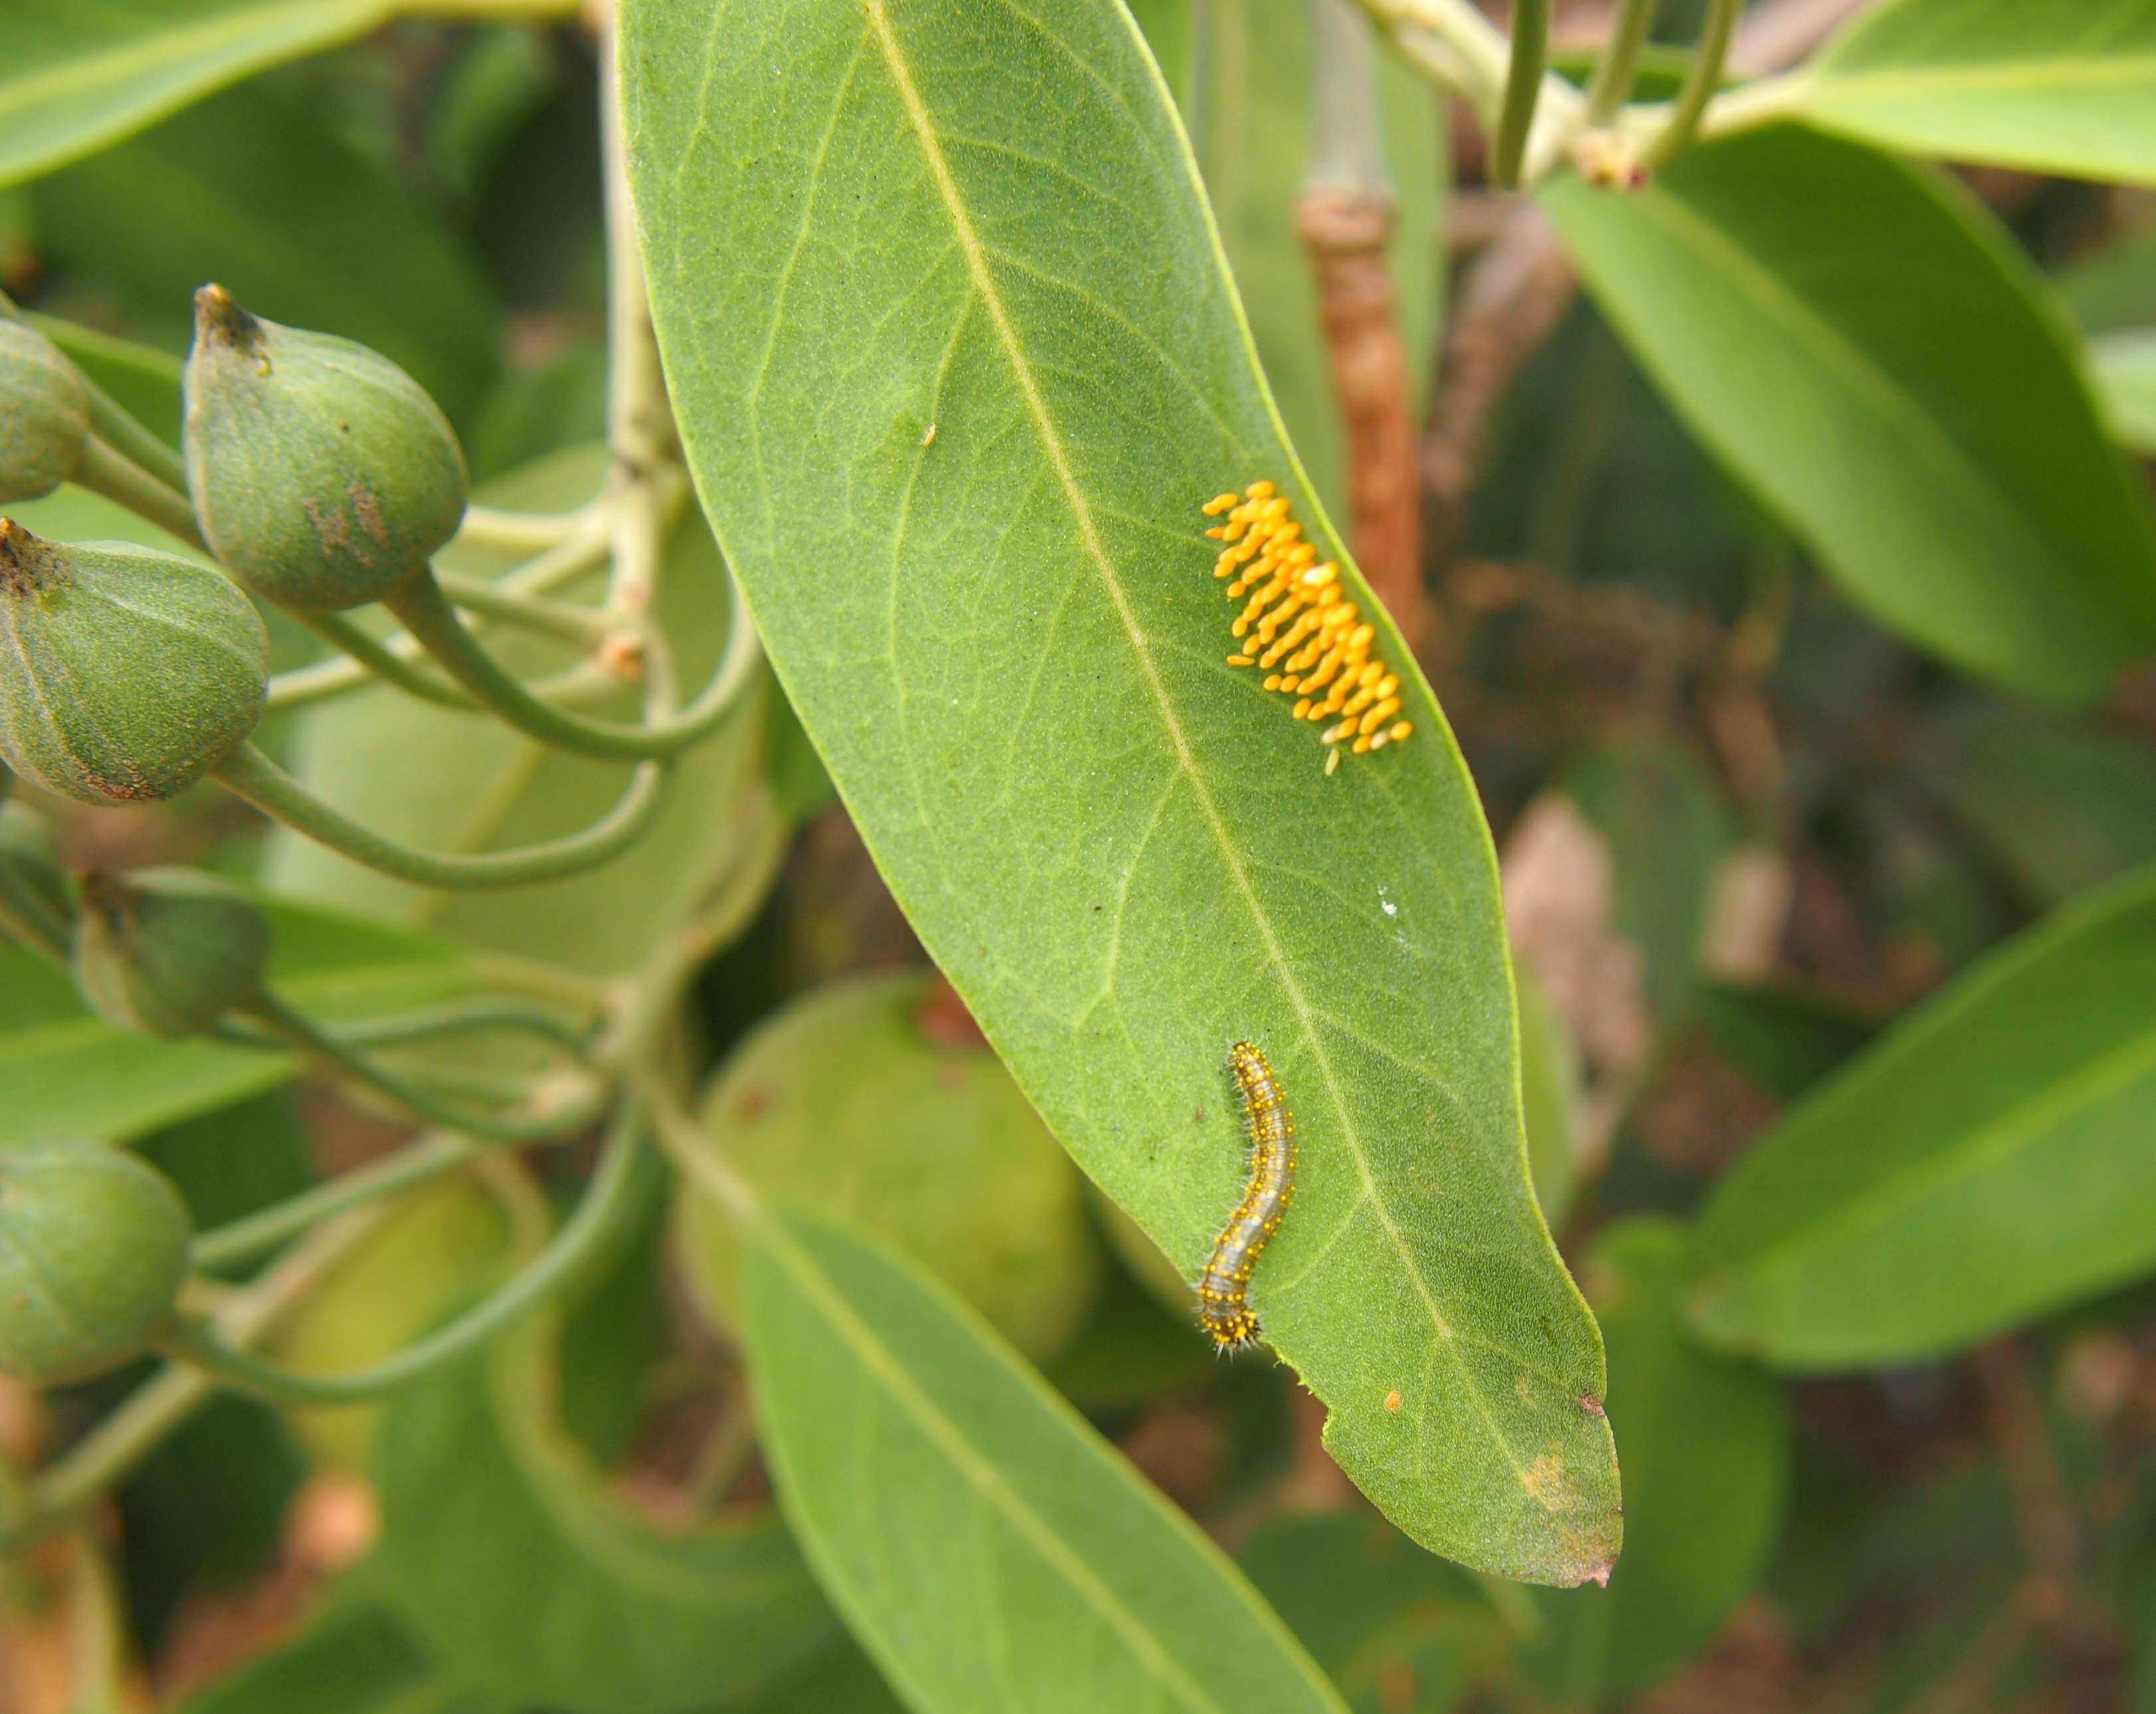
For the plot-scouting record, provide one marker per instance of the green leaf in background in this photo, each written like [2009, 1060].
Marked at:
[505, 1553]
[867, 224]
[1784, 1039]
[144, 380]
[1707, 1452]
[1551, 1094]
[2125, 366]
[1667, 827]
[2059, 806]
[1396, 1630]
[987, 1549]
[2063, 86]
[1867, 352]
[849, 1100]
[1979, 1166]
[1241, 72]
[256, 193]
[445, 780]
[64, 1072]
[352, 1659]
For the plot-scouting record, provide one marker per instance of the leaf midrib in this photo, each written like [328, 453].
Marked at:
[1985, 1147]
[985, 286]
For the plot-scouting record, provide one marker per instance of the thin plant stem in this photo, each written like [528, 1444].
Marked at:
[1615, 71]
[1700, 85]
[372, 657]
[533, 613]
[461, 1018]
[296, 1030]
[615, 1195]
[243, 1239]
[251, 775]
[1523, 85]
[104, 470]
[120, 1442]
[520, 532]
[428, 614]
[133, 442]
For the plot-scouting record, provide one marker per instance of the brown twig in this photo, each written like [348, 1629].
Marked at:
[1345, 233]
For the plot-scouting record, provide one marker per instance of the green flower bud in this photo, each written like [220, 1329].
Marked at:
[321, 473]
[28, 847]
[93, 1248]
[168, 950]
[126, 676]
[44, 415]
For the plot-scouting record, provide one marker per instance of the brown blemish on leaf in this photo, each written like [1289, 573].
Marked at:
[1393, 1400]
[1591, 1405]
[369, 508]
[754, 1102]
[331, 530]
[1546, 1482]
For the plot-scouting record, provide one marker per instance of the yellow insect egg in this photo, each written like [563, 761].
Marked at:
[1297, 627]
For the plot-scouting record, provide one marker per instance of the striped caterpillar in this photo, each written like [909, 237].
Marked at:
[1222, 1289]
[1298, 628]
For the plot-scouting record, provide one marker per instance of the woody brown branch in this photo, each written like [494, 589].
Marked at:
[1344, 234]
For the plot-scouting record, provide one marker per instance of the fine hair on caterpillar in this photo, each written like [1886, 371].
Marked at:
[1224, 1287]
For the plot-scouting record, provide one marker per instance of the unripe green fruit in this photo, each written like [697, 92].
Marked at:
[44, 415]
[321, 472]
[126, 676]
[168, 950]
[93, 1248]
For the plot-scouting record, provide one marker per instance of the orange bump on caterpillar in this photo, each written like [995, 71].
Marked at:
[1298, 626]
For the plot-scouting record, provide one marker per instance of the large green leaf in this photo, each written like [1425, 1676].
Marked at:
[447, 780]
[1706, 1462]
[2065, 86]
[1241, 72]
[1865, 352]
[505, 1553]
[1985, 1162]
[254, 190]
[864, 223]
[848, 1099]
[65, 1072]
[985, 1545]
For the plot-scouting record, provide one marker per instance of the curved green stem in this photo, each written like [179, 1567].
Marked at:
[614, 1196]
[104, 470]
[1700, 85]
[1619, 63]
[250, 774]
[297, 1030]
[111, 425]
[520, 532]
[427, 614]
[1524, 85]
[372, 657]
[564, 619]
[459, 1018]
[244, 1238]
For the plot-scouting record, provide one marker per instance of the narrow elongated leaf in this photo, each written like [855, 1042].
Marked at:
[2066, 86]
[1861, 348]
[504, 1554]
[64, 1072]
[1706, 1458]
[957, 362]
[987, 1547]
[1985, 1162]
[253, 190]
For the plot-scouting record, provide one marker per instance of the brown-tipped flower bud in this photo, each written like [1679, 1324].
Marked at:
[321, 473]
[168, 950]
[126, 676]
[44, 415]
[93, 1249]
